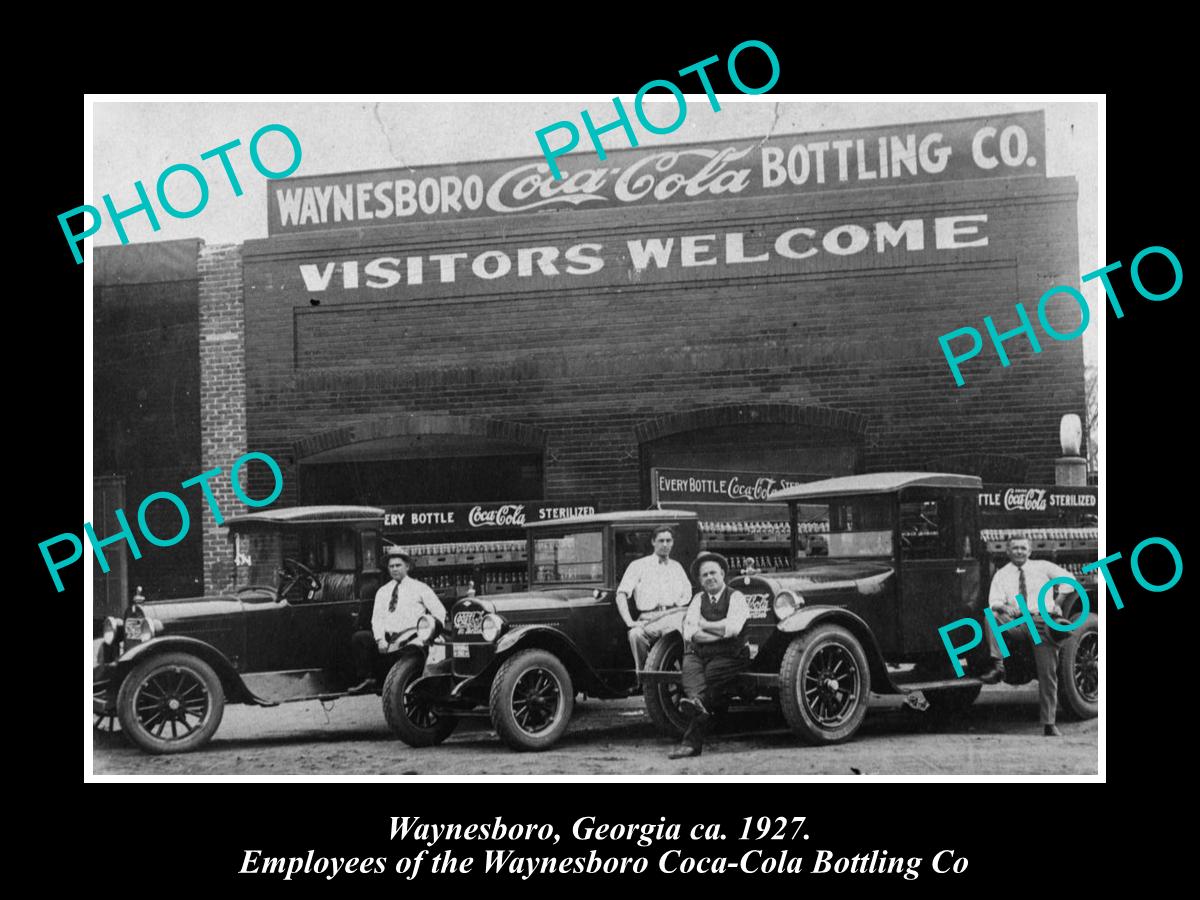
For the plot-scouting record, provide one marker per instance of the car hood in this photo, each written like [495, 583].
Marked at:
[181, 608]
[218, 620]
[835, 576]
[528, 606]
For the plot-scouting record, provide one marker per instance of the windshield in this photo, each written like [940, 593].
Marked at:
[328, 549]
[573, 557]
[848, 528]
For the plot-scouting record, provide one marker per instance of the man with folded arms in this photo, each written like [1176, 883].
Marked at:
[715, 650]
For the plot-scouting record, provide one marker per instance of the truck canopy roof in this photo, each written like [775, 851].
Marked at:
[875, 483]
[632, 517]
[305, 515]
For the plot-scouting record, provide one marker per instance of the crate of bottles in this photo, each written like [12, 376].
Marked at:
[742, 532]
[503, 551]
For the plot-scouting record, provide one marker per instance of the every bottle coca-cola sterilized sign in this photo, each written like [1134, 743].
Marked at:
[1023, 498]
[446, 517]
[720, 486]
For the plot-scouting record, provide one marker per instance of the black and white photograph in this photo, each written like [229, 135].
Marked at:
[706, 435]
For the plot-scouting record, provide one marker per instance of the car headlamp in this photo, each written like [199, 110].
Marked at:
[112, 630]
[786, 603]
[136, 629]
[492, 624]
[425, 628]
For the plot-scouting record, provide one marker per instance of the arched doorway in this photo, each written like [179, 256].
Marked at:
[754, 437]
[422, 458]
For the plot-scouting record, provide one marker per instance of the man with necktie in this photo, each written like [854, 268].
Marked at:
[398, 606]
[715, 650]
[1027, 577]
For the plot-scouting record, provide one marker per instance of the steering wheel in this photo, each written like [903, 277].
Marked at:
[293, 572]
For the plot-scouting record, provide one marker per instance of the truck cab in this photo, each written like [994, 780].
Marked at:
[923, 527]
[879, 563]
[521, 658]
[304, 581]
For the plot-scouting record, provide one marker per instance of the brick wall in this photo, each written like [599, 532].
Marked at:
[589, 362]
[146, 413]
[222, 398]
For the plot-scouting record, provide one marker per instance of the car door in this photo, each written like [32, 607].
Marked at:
[931, 570]
[270, 646]
[322, 627]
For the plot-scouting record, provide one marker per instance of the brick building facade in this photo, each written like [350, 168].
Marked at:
[566, 356]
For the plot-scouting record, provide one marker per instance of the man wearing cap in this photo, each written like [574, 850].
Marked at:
[715, 650]
[398, 606]
[1028, 577]
[660, 590]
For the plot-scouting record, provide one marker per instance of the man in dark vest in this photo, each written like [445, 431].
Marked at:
[715, 651]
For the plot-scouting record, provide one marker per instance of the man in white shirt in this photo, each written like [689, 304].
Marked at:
[1028, 577]
[715, 650]
[398, 606]
[661, 591]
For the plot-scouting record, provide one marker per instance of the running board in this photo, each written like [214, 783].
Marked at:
[908, 687]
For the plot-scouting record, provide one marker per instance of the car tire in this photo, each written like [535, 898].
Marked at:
[106, 728]
[175, 690]
[415, 724]
[662, 698]
[952, 700]
[1078, 671]
[821, 713]
[531, 700]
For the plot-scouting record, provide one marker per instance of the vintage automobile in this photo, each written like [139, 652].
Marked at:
[307, 578]
[902, 557]
[522, 658]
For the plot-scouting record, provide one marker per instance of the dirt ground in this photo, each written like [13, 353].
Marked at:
[1000, 735]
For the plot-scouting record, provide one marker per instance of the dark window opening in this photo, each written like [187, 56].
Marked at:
[462, 479]
[925, 530]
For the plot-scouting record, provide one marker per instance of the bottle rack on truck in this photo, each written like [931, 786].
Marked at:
[1070, 547]
[767, 544]
[452, 568]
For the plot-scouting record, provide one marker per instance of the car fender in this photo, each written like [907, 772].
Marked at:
[810, 616]
[235, 689]
[546, 637]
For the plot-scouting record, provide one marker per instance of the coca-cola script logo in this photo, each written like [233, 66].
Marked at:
[758, 605]
[469, 622]
[1031, 499]
[531, 186]
[760, 490]
[510, 514]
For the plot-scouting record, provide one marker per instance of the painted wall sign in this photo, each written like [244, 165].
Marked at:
[720, 486]
[459, 517]
[964, 149]
[663, 255]
[1007, 498]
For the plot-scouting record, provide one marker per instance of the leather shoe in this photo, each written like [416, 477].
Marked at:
[1051, 731]
[683, 751]
[366, 686]
[694, 705]
[994, 675]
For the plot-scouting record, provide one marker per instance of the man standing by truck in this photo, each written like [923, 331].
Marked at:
[398, 606]
[1027, 577]
[661, 591]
